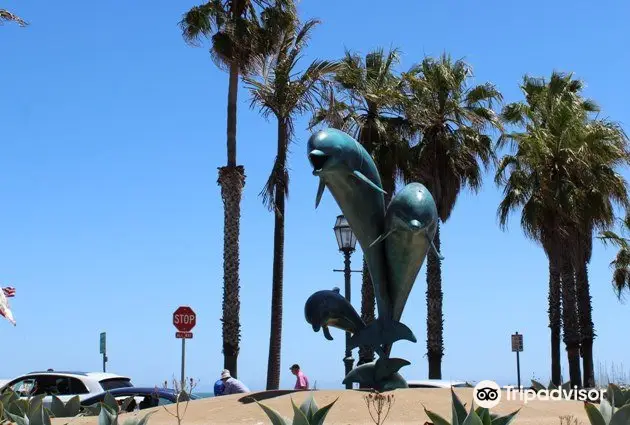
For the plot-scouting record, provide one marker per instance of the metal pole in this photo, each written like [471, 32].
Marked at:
[348, 360]
[518, 366]
[183, 362]
[104, 362]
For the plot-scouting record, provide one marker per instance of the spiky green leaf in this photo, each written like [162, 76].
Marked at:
[110, 401]
[505, 420]
[537, 386]
[594, 416]
[435, 418]
[299, 417]
[320, 415]
[274, 416]
[621, 416]
[472, 418]
[459, 411]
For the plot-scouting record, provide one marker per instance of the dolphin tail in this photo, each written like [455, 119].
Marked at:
[320, 192]
[386, 367]
[362, 177]
[435, 250]
[381, 332]
[381, 238]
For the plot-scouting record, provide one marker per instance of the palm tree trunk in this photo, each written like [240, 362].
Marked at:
[275, 337]
[570, 318]
[555, 319]
[587, 332]
[435, 320]
[368, 302]
[231, 180]
[231, 115]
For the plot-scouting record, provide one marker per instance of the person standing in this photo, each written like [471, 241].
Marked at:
[232, 385]
[301, 382]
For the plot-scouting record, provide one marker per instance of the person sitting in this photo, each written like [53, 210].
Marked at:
[232, 385]
[219, 388]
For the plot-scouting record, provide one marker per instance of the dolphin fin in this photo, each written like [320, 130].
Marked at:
[381, 332]
[385, 367]
[440, 256]
[327, 333]
[320, 191]
[381, 238]
[362, 177]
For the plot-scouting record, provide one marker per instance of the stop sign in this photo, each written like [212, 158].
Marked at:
[184, 319]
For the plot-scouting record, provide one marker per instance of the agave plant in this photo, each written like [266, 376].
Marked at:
[607, 414]
[616, 396]
[479, 416]
[307, 414]
[109, 401]
[59, 409]
[109, 416]
[24, 411]
[537, 386]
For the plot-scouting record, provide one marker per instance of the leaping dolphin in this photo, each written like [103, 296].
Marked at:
[349, 172]
[329, 308]
[410, 224]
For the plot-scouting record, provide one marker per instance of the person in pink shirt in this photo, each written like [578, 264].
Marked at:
[302, 381]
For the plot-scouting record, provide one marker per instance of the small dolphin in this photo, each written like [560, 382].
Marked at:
[381, 375]
[329, 308]
[349, 172]
[410, 224]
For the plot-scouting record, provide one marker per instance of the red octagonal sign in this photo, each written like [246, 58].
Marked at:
[184, 319]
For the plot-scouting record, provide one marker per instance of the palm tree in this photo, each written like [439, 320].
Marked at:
[453, 119]
[560, 153]
[365, 103]
[605, 150]
[621, 263]
[7, 16]
[279, 89]
[232, 27]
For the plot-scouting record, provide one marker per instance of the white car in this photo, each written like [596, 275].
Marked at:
[437, 383]
[65, 385]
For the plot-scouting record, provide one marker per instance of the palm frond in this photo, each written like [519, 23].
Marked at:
[6, 16]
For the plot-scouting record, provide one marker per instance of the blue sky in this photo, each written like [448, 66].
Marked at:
[112, 132]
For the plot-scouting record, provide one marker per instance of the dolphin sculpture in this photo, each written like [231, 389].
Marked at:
[329, 308]
[411, 221]
[348, 171]
[381, 375]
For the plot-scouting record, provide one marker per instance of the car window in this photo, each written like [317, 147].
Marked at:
[113, 383]
[23, 387]
[75, 386]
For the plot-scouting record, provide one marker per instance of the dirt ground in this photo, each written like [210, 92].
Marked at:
[350, 408]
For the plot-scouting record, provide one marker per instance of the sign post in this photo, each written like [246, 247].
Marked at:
[104, 350]
[184, 319]
[517, 346]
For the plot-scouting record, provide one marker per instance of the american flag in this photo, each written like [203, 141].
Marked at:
[9, 291]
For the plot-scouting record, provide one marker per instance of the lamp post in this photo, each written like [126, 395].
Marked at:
[346, 240]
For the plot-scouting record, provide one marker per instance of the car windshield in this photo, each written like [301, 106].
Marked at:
[113, 383]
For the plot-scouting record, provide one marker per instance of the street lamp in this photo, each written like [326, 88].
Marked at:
[346, 240]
